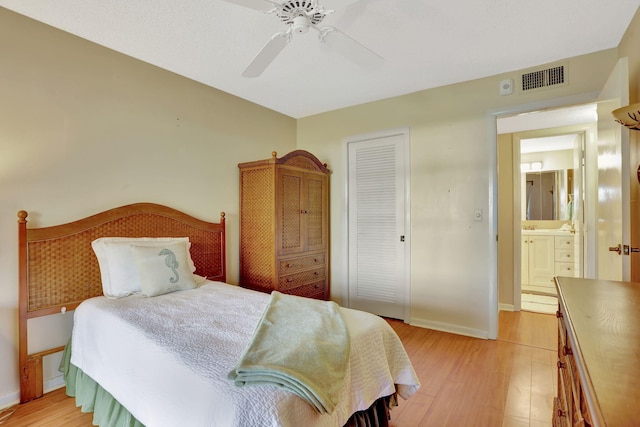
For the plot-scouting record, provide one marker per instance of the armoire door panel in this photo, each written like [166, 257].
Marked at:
[290, 216]
[314, 210]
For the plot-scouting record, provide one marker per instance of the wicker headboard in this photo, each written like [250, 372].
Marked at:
[58, 269]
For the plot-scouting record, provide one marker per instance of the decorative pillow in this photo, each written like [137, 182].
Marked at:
[163, 269]
[118, 269]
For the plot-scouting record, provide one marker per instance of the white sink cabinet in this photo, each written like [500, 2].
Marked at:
[545, 254]
[538, 263]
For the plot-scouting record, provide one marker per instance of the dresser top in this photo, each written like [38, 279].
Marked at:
[603, 319]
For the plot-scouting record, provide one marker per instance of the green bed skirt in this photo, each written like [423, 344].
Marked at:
[90, 397]
[108, 412]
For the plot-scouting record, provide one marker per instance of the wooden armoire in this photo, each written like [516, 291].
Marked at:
[284, 225]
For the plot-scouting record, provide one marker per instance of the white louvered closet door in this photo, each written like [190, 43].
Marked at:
[378, 225]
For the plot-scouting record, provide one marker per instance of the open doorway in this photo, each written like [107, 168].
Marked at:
[542, 199]
[551, 219]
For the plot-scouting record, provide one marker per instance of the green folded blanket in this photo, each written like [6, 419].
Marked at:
[301, 345]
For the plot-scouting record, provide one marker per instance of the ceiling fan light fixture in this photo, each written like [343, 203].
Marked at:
[300, 24]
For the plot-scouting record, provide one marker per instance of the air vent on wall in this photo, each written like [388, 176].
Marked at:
[543, 78]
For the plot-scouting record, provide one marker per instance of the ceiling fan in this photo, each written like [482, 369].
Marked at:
[299, 16]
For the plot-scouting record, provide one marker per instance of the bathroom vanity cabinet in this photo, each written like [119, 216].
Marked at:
[538, 263]
[546, 254]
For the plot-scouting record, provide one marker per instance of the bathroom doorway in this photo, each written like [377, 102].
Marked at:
[546, 202]
[605, 209]
[550, 171]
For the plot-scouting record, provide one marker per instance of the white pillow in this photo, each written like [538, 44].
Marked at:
[118, 269]
[163, 269]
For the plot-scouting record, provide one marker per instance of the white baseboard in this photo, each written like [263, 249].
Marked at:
[505, 307]
[54, 383]
[453, 329]
[48, 386]
[9, 400]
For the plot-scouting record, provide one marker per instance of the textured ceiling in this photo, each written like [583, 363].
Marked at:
[425, 43]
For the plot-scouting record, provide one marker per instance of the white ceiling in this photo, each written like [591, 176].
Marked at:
[425, 43]
[550, 118]
[549, 143]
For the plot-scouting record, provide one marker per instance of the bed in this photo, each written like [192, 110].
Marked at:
[165, 358]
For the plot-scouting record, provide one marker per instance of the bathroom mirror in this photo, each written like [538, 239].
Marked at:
[545, 195]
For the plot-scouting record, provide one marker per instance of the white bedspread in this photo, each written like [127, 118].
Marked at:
[166, 359]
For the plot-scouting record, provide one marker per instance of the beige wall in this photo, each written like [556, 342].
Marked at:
[84, 129]
[505, 221]
[453, 166]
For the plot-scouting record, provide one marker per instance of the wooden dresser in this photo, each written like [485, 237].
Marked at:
[598, 353]
[284, 225]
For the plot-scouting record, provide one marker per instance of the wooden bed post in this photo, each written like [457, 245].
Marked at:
[223, 247]
[27, 368]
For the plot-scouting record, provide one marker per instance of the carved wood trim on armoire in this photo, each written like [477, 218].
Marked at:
[284, 225]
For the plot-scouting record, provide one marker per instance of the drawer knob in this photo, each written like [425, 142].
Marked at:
[288, 279]
[567, 351]
[561, 365]
[559, 314]
[315, 273]
[561, 413]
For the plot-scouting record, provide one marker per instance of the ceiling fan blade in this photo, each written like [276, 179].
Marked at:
[267, 55]
[350, 48]
[263, 5]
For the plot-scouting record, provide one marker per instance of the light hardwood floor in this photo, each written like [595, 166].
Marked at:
[509, 382]
[466, 382]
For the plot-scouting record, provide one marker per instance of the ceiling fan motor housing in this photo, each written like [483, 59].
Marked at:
[300, 14]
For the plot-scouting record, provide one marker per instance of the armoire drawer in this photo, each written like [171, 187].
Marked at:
[292, 265]
[295, 280]
[315, 290]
